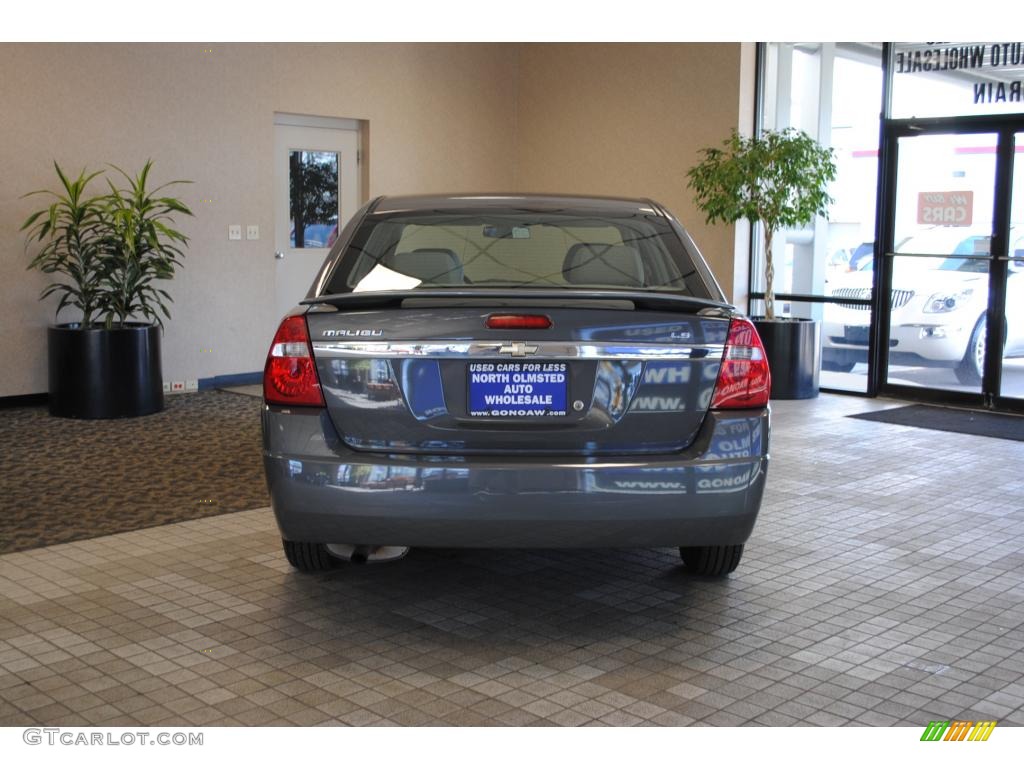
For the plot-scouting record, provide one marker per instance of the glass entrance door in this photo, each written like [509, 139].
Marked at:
[953, 278]
[939, 261]
[1011, 359]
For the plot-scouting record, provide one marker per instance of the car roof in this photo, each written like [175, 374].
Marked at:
[515, 201]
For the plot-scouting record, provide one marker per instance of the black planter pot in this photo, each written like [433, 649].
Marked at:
[105, 374]
[792, 346]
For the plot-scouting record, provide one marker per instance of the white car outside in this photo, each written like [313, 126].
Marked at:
[938, 307]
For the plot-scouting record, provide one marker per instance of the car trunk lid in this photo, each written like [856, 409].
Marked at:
[610, 376]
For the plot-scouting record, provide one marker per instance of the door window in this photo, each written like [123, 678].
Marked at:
[945, 187]
[313, 198]
[1012, 379]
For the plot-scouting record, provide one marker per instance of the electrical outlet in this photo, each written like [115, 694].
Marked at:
[252, 232]
[177, 386]
[167, 387]
[192, 385]
[234, 232]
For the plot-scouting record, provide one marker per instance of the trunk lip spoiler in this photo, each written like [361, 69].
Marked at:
[664, 300]
[497, 350]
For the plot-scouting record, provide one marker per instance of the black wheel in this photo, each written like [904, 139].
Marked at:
[837, 360]
[840, 367]
[969, 370]
[308, 558]
[711, 561]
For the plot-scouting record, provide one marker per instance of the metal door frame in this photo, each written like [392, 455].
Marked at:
[1005, 126]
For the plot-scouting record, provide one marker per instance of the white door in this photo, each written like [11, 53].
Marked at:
[316, 191]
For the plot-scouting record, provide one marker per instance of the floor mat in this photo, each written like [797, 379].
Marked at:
[70, 479]
[979, 423]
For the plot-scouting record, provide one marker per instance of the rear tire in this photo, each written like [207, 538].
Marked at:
[711, 561]
[969, 370]
[307, 557]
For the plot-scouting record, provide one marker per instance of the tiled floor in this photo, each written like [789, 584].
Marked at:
[884, 584]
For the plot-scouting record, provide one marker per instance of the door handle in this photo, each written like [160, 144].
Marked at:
[279, 254]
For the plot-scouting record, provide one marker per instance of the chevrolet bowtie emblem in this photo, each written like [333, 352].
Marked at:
[517, 349]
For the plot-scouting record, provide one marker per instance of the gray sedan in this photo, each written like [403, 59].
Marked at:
[515, 371]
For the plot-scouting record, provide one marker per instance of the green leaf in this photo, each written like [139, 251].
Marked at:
[108, 247]
[778, 179]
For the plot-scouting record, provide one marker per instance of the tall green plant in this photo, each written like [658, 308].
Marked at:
[141, 247]
[72, 230]
[109, 248]
[779, 179]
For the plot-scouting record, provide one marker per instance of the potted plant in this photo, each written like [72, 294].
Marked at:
[778, 179]
[107, 250]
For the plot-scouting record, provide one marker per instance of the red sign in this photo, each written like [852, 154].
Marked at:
[954, 209]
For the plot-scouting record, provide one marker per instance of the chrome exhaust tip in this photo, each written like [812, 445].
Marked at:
[361, 554]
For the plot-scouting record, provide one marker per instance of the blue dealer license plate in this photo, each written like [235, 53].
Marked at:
[518, 389]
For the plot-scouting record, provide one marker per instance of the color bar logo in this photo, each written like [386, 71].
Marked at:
[958, 730]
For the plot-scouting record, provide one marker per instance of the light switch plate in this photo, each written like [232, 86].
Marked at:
[252, 232]
[234, 232]
[177, 386]
[191, 385]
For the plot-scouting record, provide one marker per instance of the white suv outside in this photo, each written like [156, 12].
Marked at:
[937, 307]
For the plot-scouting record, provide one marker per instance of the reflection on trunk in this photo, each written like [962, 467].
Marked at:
[401, 402]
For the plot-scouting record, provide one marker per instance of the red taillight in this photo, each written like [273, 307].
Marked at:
[744, 380]
[289, 377]
[518, 321]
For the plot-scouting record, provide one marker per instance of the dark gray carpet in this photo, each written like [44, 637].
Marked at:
[1004, 426]
[67, 479]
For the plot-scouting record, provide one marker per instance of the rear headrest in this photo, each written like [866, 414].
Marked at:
[435, 266]
[600, 264]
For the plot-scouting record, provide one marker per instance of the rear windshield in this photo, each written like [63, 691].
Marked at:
[409, 251]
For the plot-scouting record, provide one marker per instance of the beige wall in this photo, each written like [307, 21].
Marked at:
[602, 119]
[209, 118]
[628, 119]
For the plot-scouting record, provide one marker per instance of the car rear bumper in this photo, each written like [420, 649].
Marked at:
[322, 491]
